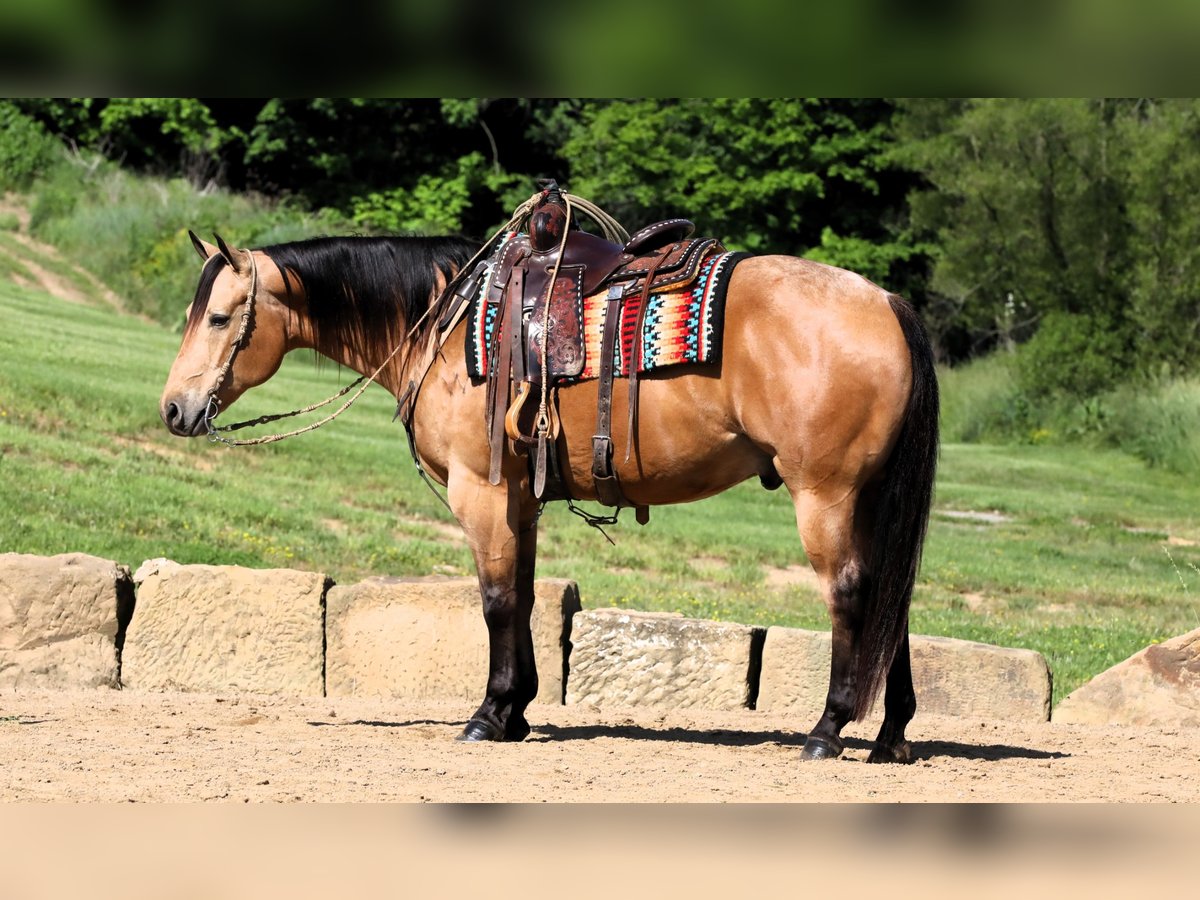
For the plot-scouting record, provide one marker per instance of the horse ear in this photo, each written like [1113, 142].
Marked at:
[239, 260]
[204, 248]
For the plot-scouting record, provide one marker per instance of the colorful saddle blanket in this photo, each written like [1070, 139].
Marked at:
[679, 327]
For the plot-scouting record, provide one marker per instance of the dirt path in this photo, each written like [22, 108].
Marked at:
[126, 746]
[35, 252]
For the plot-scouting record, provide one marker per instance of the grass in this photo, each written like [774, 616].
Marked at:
[1074, 566]
[130, 231]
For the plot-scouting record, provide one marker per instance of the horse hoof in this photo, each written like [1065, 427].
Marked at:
[477, 730]
[900, 753]
[516, 730]
[815, 748]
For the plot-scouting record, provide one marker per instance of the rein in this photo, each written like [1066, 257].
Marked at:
[216, 434]
[406, 406]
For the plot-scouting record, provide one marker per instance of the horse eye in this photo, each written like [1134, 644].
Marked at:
[217, 320]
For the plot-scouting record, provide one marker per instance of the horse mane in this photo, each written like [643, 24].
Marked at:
[361, 292]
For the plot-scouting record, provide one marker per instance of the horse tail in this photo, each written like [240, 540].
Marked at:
[902, 517]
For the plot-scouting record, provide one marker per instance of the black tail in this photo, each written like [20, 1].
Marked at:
[901, 518]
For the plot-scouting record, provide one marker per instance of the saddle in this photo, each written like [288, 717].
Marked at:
[537, 290]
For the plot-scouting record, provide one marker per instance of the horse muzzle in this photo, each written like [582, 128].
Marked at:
[184, 417]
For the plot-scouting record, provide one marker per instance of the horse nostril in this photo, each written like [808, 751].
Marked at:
[173, 414]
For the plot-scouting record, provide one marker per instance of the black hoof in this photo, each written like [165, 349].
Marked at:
[815, 748]
[477, 730]
[899, 753]
[517, 729]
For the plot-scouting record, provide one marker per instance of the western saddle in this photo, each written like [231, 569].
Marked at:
[537, 288]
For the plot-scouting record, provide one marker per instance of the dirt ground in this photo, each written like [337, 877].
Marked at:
[127, 746]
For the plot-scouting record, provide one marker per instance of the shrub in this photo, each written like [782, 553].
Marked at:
[1158, 422]
[981, 400]
[26, 150]
[1073, 356]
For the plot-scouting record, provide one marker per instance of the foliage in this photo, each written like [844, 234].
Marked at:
[1073, 355]
[144, 253]
[175, 135]
[1087, 208]
[981, 401]
[435, 204]
[1160, 423]
[27, 151]
[806, 177]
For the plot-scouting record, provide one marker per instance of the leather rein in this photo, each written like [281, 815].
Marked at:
[216, 434]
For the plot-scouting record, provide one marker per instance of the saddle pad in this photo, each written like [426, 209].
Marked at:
[679, 327]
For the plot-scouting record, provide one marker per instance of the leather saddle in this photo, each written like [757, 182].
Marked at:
[538, 284]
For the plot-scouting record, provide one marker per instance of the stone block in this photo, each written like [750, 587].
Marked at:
[62, 620]
[425, 638]
[1158, 686]
[625, 658]
[226, 628]
[951, 678]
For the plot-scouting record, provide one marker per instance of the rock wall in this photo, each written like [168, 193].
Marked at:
[72, 621]
[423, 638]
[226, 628]
[950, 677]
[1159, 685]
[62, 620]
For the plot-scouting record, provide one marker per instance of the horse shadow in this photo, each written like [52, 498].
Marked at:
[723, 737]
[922, 750]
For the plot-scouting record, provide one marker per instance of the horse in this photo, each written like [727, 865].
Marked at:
[825, 385]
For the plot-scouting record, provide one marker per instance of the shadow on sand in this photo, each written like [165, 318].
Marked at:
[546, 733]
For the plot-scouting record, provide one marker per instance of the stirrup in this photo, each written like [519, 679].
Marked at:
[512, 419]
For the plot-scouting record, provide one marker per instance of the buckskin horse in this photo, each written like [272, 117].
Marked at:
[825, 384]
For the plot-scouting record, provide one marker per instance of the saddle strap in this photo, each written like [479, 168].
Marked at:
[608, 489]
[502, 372]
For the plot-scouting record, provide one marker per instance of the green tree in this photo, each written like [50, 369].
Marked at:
[1080, 213]
[807, 177]
[1163, 205]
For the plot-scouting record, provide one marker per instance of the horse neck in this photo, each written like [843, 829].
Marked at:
[396, 367]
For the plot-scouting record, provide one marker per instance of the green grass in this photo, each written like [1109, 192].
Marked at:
[130, 231]
[1078, 569]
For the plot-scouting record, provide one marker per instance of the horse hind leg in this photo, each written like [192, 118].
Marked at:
[899, 705]
[827, 529]
[837, 537]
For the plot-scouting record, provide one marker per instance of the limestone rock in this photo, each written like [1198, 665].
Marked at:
[425, 638]
[226, 628]
[625, 658]
[950, 677]
[61, 620]
[1159, 685]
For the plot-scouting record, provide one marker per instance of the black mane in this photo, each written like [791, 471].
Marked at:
[361, 291]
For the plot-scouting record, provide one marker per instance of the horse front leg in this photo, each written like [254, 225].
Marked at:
[501, 526]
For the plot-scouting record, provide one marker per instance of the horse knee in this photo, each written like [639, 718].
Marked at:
[847, 594]
[499, 605]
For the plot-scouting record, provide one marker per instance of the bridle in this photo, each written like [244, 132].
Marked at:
[214, 405]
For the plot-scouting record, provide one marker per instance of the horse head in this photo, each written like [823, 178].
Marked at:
[235, 338]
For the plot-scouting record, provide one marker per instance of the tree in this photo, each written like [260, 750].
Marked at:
[1084, 210]
[806, 177]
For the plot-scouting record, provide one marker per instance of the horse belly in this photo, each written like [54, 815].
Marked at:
[685, 445]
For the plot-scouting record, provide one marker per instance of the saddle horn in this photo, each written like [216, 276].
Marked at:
[548, 220]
